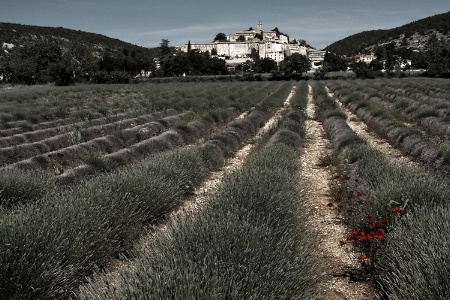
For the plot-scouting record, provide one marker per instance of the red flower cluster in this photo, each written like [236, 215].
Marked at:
[373, 229]
[362, 236]
[396, 210]
[376, 231]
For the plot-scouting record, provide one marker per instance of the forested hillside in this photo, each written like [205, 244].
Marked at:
[421, 45]
[414, 34]
[40, 55]
[35, 54]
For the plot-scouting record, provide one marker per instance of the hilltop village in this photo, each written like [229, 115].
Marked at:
[238, 47]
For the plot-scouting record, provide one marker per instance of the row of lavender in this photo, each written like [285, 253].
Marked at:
[51, 243]
[397, 212]
[113, 141]
[419, 128]
[249, 241]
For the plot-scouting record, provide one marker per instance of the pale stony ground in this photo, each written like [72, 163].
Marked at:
[337, 262]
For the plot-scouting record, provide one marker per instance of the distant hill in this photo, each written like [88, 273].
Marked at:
[35, 54]
[16, 34]
[413, 35]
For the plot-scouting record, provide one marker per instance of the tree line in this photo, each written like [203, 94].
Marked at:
[392, 60]
[43, 61]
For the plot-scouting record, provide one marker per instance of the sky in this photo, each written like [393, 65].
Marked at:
[146, 22]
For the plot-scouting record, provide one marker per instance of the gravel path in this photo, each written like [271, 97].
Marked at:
[340, 265]
[206, 190]
[378, 143]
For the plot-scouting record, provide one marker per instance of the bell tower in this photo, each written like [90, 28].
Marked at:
[260, 26]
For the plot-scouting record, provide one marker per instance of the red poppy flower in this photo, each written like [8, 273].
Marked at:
[396, 210]
[343, 243]
[355, 233]
[379, 234]
[347, 178]
[338, 199]
[368, 218]
[383, 220]
[49, 155]
[359, 194]
[60, 155]
[362, 257]
[353, 236]
[363, 237]
[372, 224]
[330, 204]
[336, 177]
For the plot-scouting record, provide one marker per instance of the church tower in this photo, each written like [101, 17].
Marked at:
[260, 26]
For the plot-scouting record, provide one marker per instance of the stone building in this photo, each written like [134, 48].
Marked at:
[241, 44]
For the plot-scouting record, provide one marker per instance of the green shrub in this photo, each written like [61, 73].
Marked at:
[17, 188]
[380, 113]
[348, 140]
[413, 262]
[335, 113]
[444, 151]
[411, 108]
[98, 161]
[401, 105]
[427, 112]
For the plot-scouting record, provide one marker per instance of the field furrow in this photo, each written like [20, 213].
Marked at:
[226, 190]
[342, 276]
[82, 226]
[118, 134]
[204, 255]
[411, 142]
[391, 207]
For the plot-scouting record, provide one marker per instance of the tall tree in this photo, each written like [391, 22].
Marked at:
[437, 57]
[333, 62]
[294, 65]
[34, 63]
[220, 37]
[164, 48]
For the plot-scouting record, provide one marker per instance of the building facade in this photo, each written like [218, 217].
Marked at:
[268, 43]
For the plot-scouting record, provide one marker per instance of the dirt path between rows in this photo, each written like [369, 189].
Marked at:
[206, 190]
[374, 140]
[210, 186]
[340, 264]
